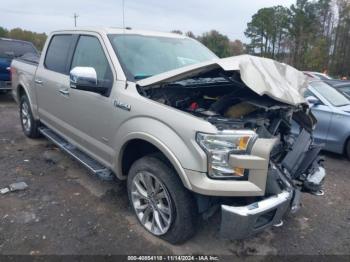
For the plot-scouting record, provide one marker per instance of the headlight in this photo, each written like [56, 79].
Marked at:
[218, 148]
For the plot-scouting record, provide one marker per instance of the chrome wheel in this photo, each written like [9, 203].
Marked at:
[25, 114]
[151, 202]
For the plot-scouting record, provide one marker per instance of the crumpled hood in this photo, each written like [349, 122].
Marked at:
[263, 76]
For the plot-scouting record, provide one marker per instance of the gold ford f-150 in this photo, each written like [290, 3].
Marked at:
[191, 133]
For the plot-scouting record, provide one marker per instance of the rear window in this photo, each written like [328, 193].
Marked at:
[58, 53]
[11, 48]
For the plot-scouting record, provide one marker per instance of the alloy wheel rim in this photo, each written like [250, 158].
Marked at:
[152, 203]
[26, 117]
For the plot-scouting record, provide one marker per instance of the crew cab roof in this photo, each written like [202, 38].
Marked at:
[116, 30]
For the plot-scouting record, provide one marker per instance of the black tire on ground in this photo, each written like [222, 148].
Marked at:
[24, 108]
[184, 216]
[347, 149]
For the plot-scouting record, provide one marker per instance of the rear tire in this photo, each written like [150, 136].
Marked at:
[177, 226]
[29, 124]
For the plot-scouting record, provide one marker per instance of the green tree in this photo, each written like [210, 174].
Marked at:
[281, 20]
[311, 34]
[267, 31]
[179, 32]
[316, 58]
[258, 30]
[3, 32]
[38, 39]
[303, 29]
[217, 42]
[190, 34]
[341, 52]
[237, 47]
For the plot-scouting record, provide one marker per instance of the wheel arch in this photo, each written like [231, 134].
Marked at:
[22, 90]
[347, 140]
[138, 145]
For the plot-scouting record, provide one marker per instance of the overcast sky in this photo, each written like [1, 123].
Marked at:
[227, 16]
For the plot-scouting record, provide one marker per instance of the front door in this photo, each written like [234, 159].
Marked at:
[91, 114]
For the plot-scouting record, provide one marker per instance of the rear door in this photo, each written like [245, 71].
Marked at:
[52, 82]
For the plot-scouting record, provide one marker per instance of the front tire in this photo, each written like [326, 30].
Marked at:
[29, 124]
[163, 206]
[347, 149]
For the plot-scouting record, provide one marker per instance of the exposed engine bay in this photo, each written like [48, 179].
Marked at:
[221, 98]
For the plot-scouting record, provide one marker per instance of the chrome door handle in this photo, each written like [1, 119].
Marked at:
[64, 92]
[38, 81]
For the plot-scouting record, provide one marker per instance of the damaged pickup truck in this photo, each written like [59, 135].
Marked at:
[192, 134]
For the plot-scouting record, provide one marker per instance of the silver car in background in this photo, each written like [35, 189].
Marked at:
[317, 76]
[343, 86]
[332, 110]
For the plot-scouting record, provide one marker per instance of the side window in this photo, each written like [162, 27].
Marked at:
[89, 53]
[58, 53]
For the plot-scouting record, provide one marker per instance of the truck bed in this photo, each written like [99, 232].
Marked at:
[23, 71]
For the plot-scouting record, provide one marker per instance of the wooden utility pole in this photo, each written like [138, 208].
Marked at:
[123, 2]
[75, 19]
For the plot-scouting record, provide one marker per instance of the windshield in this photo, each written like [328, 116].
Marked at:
[330, 93]
[9, 48]
[145, 56]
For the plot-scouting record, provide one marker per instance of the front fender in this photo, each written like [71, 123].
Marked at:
[181, 150]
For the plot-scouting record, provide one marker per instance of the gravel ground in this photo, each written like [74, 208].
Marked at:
[67, 211]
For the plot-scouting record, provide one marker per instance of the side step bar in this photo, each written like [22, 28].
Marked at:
[91, 164]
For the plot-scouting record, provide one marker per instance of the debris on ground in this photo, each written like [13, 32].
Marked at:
[52, 156]
[4, 190]
[14, 187]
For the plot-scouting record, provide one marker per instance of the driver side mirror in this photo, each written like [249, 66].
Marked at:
[85, 78]
[313, 101]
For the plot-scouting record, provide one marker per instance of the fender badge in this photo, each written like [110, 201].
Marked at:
[121, 105]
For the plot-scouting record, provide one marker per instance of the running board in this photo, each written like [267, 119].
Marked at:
[91, 164]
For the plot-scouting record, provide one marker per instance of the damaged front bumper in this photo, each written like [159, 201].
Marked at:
[243, 221]
[239, 222]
